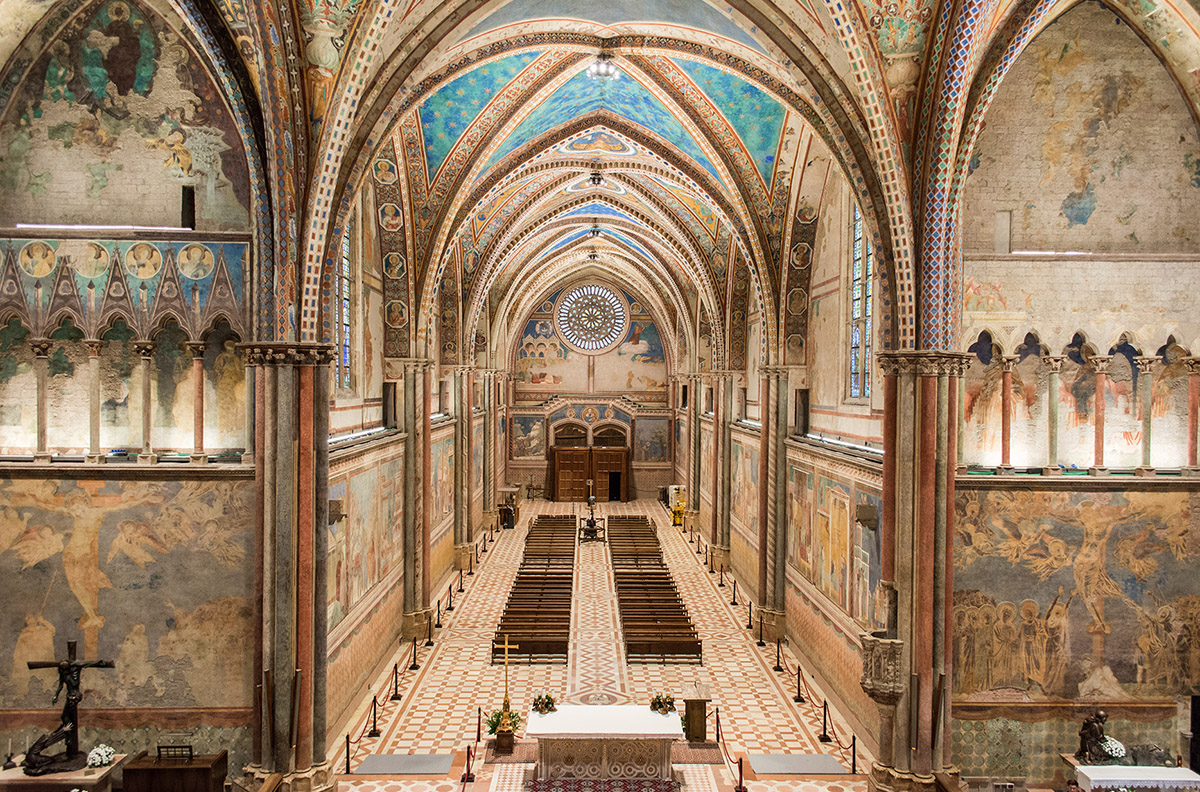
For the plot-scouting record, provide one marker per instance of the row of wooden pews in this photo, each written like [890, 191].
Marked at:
[654, 619]
[537, 617]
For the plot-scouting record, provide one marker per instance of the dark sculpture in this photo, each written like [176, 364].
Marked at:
[37, 762]
[1091, 739]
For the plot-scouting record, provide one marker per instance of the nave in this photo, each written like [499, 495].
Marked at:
[437, 713]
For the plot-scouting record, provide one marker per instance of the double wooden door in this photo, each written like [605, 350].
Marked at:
[608, 468]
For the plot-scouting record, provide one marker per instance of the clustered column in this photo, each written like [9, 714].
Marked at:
[417, 374]
[1053, 365]
[695, 387]
[1145, 367]
[94, 347]
[197, 350]
[291, 477]
[1100, 363]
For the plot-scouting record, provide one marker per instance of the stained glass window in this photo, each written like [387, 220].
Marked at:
[860, 310]
[342, 308]
[591, 318]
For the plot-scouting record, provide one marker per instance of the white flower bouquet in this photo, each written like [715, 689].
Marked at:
[101, 756]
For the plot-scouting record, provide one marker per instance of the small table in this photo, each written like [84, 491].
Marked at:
[604, 741]
[92, 779]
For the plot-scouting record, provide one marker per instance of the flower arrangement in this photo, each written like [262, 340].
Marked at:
[1112, 747]
[663, 703]
[101, 756]
[543, 703]
[492, 721]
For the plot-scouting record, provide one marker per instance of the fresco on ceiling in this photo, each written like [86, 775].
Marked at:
[652, 440]
[1065, 595]
[544, 362]
[637, 364]
[755, 115]
[446, 114]
[325, 23]
[528, 437]
[697, 208]
[625, 97]
[112, 120]
[601, 209]
[81, 556]
[599, 141]
[688, 13]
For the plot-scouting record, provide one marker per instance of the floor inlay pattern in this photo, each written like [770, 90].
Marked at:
[439, 706]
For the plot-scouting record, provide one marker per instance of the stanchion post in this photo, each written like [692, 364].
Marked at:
[761, 642]
[347, 753]
[824, 736]
[778, 654]
[374, 718]
[741, 784]
[395, 682]
[853, 754]
[721, 582]
[734, 600]
[468, 776]
[750, 616]
[718, 712]
[429, 631]
[439, 615]
[414, 665]
[478, 724]
[460, 588]
[799, 697]
[471, 565]
[450, 598]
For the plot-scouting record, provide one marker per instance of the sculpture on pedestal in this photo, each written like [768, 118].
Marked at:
[37, 762]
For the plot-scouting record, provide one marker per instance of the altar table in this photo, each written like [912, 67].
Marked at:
[91, 779]
[604, 741]
[1117, 776]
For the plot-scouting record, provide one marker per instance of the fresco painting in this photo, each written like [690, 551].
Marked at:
[652, 440]
[637, 364]
[544, 362]
[120, 389]
[442, 485]
[18, 419]
[120, 104]
[171, 389]
[66, 426]
[799, 520]
[528, 437]
[1085, 595]
[224, 391]
[745, 491]
[82, 553]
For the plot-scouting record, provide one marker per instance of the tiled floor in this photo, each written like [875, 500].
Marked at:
[441, 700]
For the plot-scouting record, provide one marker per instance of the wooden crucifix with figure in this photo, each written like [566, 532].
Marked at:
[70, 670]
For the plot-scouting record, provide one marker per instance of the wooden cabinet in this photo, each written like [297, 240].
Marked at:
[201, 773]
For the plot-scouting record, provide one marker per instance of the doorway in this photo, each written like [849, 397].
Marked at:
[614, 486]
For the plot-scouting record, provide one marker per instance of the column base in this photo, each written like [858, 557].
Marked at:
[889, 779]
[416, 624]
[719, 557]
[464, 556]
[1145, 471]
[1097, 470]
[1005, 470]
[247, 459]
[147, 459]
[318, 778]
[690, 518]
[774, 624]
[1052, 470]
[43, 458]
[198, 459]
[491, 520]
[94, 459]
[1190, 472]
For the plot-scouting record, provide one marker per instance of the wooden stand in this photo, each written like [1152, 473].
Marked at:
[201, 773]
[695, 708]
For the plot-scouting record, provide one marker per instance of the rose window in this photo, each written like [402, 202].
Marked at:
[591, 318]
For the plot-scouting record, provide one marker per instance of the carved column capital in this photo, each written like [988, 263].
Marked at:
[41, 347]
[882, 677]
[144, 348]
[94, 346]
[1009, 362]
[197, 348]
[1145, 363]
[1053, 362]
[1100, 363]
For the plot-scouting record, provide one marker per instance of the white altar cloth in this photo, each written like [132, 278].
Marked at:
[1114, 776]
[604, 741]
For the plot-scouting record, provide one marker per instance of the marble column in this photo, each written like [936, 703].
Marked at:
[1007, 363]
[490, 431]
[291, 472]
[766, 495]
[145, 349]
[251, 435]
[695, 387]
[1192, 469]
[197, 456]
[94, 347]
[722, 461]
[1145, 367]
[1100, 363]
[1053, 364]
[416, 498]
[464, 551]
[773, 603]
[41, 368]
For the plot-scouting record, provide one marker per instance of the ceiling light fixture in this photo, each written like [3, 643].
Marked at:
[596, 179]
[592, 257]
[603, 68]
[595, 232]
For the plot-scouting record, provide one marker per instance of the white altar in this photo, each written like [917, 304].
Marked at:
[604, 741]
[1118, 776]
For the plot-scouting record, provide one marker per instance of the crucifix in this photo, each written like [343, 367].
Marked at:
[506, 646]
[69, 671]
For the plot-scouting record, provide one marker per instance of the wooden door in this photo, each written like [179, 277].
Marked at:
[606, 461]
[571, 474]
